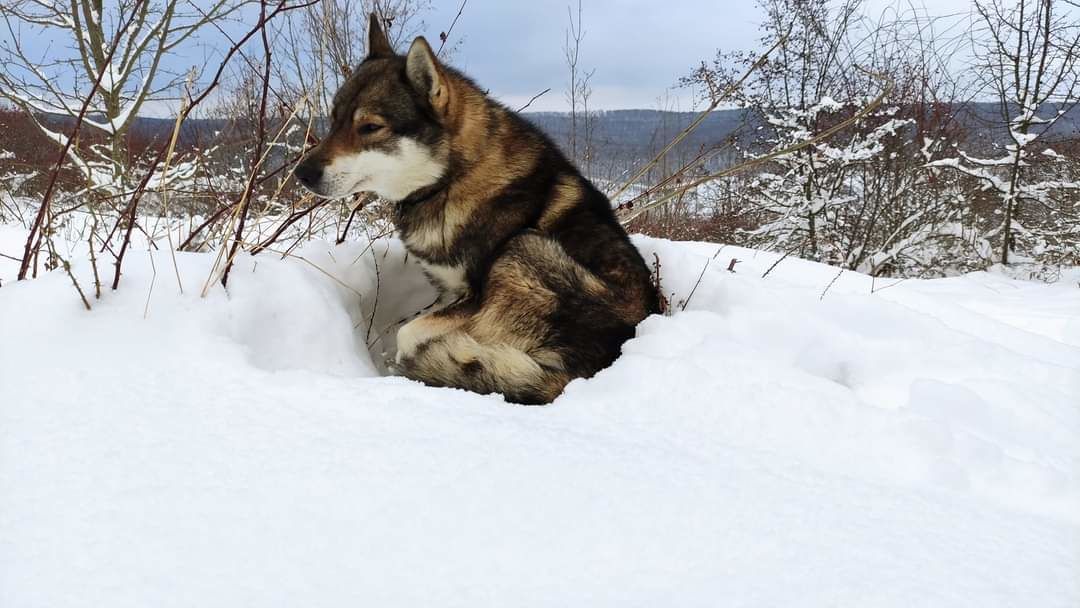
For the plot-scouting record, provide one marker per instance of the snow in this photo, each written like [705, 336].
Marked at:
[799, 439]
[1052, 154]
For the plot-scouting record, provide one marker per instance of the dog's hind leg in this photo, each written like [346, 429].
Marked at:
[457, 359]
[439, 350]
[539, 314]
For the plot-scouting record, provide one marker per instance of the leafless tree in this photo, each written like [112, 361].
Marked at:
[578, 93]
[143, 33]
[324, 43]
[1028, 54]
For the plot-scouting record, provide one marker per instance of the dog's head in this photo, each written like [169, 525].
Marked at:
[387, 132]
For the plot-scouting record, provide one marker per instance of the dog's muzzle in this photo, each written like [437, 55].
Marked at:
[309, 175]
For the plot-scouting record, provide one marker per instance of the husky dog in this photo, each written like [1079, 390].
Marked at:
[538, 282]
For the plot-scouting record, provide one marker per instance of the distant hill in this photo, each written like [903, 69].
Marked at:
[624, 137]
[634, 134]
[637, 133]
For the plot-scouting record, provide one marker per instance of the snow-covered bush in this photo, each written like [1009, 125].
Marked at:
[1029, 60]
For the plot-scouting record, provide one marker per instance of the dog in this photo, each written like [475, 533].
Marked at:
[538, 282]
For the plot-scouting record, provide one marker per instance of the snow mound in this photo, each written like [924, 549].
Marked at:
[806, 438]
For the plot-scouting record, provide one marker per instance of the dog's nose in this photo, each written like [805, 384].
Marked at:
[308, 174]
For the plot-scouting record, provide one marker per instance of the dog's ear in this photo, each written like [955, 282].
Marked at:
[377, 43]
[425, 75]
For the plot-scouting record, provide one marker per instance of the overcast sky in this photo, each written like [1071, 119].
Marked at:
[639, 48]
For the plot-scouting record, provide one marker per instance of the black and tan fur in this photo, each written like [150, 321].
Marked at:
[538, 281]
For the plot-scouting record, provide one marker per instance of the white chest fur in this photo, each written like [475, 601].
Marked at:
[450, 280]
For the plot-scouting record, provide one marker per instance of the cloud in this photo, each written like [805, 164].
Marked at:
[638, 48]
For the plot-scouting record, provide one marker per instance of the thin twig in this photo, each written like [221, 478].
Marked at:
[213, 218]
[700, 118]
[402, 321]
[289, 221]
[150, 290]
[375, 302]
[777, 262]
[164, 190]
[831, 284]
[444, 36]
[93, 256]
[47, 231]
[893, 284]
[700, 276]
[348, 223]
[313, 265]
[758, 160]
[534, 98]
[257, 153]
[238, 215]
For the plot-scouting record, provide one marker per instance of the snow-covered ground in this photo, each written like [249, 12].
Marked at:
[914, 445]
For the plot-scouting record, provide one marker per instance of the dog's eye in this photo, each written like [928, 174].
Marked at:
[368, 128]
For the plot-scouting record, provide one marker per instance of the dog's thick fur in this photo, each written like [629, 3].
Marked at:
[539, 283]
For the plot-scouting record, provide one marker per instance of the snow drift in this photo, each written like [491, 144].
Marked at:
[887, 444]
